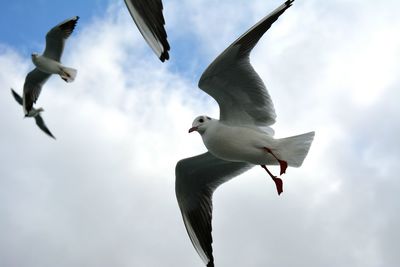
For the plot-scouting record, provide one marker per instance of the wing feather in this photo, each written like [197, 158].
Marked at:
[240, 92]
[17, 97]
[148, 16]
[196, 180]
[56, 37]
[32, 87]
[40, 123]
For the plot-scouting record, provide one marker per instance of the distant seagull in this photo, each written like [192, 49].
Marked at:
[34, 113]
[149, 18]
[49, 63]
[241, 138]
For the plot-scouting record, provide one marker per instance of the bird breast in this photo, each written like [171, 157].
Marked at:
[235, 143]
[46, 65]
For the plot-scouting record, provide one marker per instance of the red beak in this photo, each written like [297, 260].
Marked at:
[192, 129]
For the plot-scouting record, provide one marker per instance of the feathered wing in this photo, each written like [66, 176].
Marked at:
[17, 97]
[230, 79]
[196, 179]
[148, 16]
[55, 38]
[32, 87]
[40, 123]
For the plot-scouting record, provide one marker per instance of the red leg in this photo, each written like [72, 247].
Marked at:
[277, 180]
[283, 164]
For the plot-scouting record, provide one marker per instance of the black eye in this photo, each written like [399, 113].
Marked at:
[208, 118]
[201, 120]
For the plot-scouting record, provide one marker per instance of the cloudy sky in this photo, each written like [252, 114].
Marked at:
[103, 195]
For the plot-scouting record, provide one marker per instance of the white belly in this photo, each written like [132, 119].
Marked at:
[239, 144]
[47, 65]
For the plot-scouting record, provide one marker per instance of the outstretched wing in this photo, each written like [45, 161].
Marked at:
[55, 38]
[16, 96]
[241, 94]
[40, 122]
[32, 87]
[196, 179]
[148, 16]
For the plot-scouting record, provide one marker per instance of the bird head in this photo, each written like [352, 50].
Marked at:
[34, 55]
[200, 124]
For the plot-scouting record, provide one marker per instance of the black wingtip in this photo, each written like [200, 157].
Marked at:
[164, 56]
[288, 3]
[69, 25]
[49, 134]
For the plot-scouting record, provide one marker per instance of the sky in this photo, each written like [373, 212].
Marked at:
[102, 194]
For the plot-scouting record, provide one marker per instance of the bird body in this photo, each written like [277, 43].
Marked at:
[51, 66]
[34, 112]
[226, 142]
[247, 144]
[46, 65]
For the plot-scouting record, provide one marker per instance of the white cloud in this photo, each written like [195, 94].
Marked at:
[103, 193]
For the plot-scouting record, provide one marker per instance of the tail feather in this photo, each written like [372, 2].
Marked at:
[294, 149]
[68, 74]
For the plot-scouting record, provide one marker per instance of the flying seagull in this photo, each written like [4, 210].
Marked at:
[48, 63]
[34, 113]
[240, 139]
[148, 16]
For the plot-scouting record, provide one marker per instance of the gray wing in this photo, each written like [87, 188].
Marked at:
[241, 94]
[17, 97]
[40, 122]
[55, 38]
[32, 87]
[196, 179]
[148, 16]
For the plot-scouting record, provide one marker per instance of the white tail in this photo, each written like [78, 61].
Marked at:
[294, 149]
[68, 74]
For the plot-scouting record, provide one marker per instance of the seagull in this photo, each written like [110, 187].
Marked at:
[239, 140]
[34, 113]
[149, 18]
[48, 63]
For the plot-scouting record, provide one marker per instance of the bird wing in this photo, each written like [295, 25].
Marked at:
[148, 16]
[40, 122]
[32, 87]
[55, 38]
[241, 94]
[17, 97]
[196, 179]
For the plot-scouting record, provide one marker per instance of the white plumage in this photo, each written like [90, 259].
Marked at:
[245, 144]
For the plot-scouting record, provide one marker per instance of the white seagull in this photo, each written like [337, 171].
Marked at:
[34, 113]
[148, 16]
[48, 63]
[241, 138]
